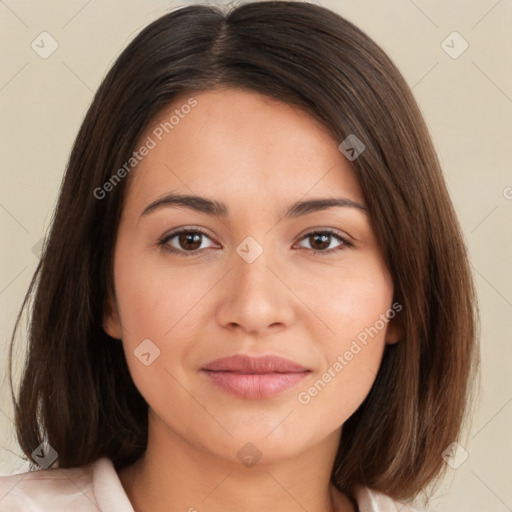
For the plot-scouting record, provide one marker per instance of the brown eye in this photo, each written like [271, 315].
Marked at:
[322, 241]
[190, 241]
[186, 242]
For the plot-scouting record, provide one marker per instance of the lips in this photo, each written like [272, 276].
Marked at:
[254, 377]
[248, 364]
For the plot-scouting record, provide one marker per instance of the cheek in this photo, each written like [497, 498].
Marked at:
[164, 306]
[355, 306]
[349, 300]
[362, 314]
[338, 391]
[157, 312]
[351, 363]
[154, 299]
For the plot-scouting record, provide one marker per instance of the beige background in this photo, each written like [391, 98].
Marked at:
[467, 102]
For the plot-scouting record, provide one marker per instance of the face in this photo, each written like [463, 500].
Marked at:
[252, 277]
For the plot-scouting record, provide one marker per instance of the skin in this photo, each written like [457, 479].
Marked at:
[258, 156]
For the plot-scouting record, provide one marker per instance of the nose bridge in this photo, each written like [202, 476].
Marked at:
[254, 298]
[251, 273]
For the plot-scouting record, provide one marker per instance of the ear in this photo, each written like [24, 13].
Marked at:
[111, 321]
[395, 330]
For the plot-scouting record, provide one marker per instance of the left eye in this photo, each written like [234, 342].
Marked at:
[320, 241]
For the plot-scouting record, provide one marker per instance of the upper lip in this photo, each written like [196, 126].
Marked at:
[241, 363]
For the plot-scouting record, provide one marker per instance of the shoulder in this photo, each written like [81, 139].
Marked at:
[370, 500]
[81, 489]
[47, 489]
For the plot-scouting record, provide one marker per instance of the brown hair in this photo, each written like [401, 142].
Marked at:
[76, 391]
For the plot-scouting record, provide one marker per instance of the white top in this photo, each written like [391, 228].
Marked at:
[96, 487]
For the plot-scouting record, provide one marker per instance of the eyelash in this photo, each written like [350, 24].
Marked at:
[162, 243]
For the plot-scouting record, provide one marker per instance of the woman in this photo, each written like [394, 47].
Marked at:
[254, 294]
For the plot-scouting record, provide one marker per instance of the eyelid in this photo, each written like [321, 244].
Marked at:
[333, 231]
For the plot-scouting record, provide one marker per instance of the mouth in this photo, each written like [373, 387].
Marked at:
[254, 377]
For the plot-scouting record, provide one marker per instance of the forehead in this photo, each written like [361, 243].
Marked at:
[239, 145]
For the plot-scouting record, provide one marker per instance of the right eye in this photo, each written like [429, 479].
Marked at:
[188, 242]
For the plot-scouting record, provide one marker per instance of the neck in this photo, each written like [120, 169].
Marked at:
[173, 475]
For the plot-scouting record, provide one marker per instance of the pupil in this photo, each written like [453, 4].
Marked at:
[188, 239]
[324, 243]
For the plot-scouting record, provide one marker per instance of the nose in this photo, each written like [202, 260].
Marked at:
[255, 298]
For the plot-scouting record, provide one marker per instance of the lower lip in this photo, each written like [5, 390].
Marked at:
[255, 386]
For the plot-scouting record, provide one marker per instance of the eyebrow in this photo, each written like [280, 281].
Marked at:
[218, 209]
